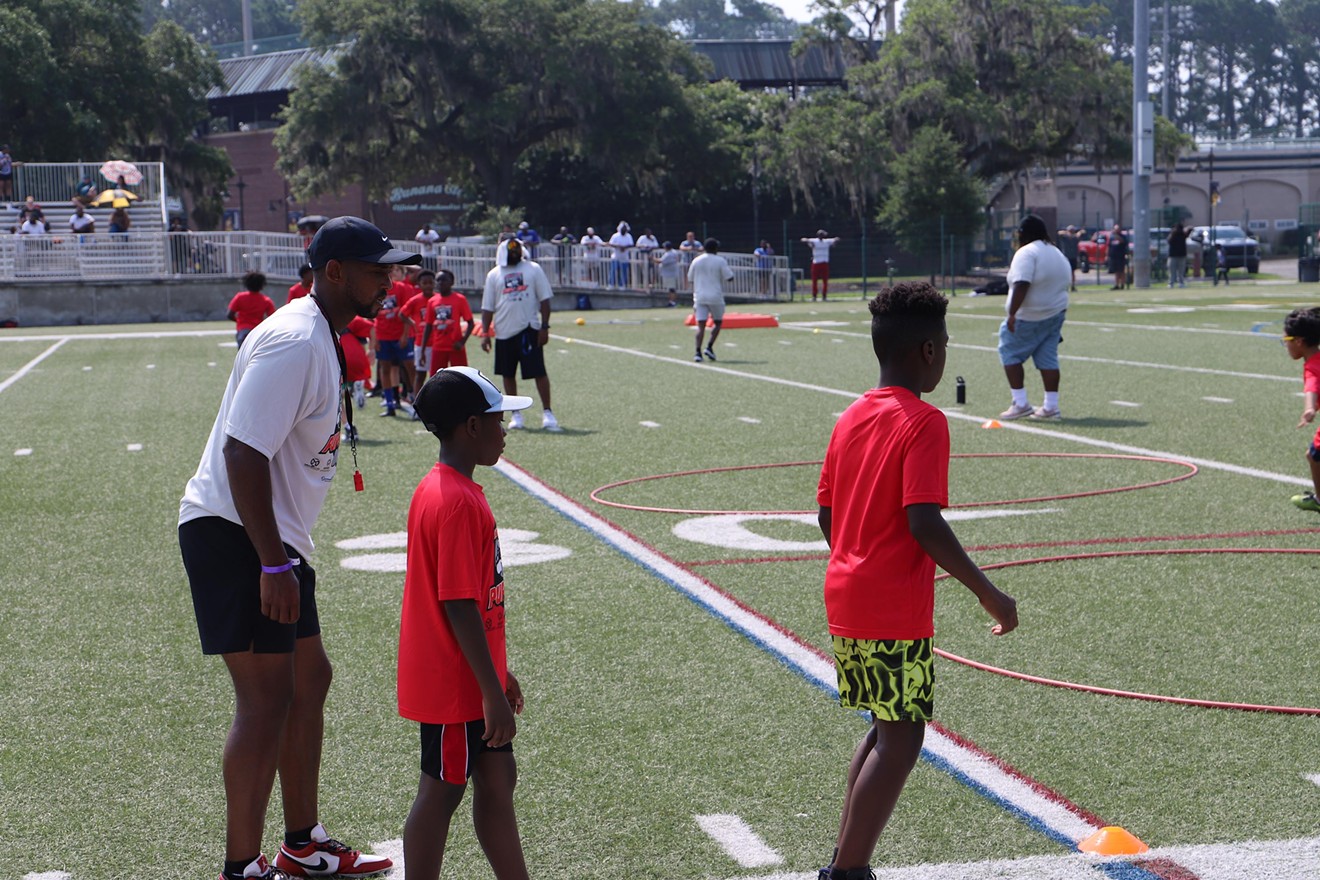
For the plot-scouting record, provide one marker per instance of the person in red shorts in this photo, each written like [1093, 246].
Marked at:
[250, 306]
[451, 324]
[304, 285]
[883, 482]
[1302, 340]
[453, 676]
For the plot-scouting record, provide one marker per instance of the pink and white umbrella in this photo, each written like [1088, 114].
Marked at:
[117, 168]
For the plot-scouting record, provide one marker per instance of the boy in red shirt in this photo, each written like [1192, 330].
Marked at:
[250, 306]
[882, 485]
[453, 678]
[304, 285]
[414, 309]
[450, 325]
[1302, 339]
[357, 366]
[389, 333]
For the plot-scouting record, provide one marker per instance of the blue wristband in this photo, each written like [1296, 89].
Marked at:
[277, 569]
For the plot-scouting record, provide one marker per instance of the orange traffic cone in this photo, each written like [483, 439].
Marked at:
[1112, 841]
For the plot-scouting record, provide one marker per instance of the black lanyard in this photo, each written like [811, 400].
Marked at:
[344, 391]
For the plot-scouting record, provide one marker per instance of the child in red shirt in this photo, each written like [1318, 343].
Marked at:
[250, 306]
[882, 485]
[1302, 339]
[453, 677]
[450, 324]
[304, 285]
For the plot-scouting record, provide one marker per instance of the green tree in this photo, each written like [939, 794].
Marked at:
[931, 192]
[221, 21]
[713, 20]
[466, 88]
[1006, 78]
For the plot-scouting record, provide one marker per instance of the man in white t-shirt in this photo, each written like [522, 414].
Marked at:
[517, 298]
[820, 262]
[646, 243]
[621, 242]
[591, 243]
[80, 222]
[1038, 280]
[707, 274]
[245, 525]
[428, 238]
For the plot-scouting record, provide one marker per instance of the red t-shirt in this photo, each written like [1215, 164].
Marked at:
[389, 320]
[890, 449]
[412, 310]
[1311, 384]
[355, 349]
[250, 309]
[453, 553]
[298, 290]
[446, 314]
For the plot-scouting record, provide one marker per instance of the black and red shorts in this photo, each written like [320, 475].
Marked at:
[449, 750]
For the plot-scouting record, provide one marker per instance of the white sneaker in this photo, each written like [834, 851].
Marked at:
[359, 394]
[1016, 412]
[1041, 414]
[515, 421]
[549, 422]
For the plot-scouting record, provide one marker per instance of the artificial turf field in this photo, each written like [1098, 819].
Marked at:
[671, 661]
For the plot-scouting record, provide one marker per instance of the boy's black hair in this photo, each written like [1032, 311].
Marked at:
[254, 281]
[443, 272]
[422, 274]
[1304, 324]
[904, 316]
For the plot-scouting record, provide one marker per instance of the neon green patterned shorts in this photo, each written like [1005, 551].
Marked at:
[893, 679]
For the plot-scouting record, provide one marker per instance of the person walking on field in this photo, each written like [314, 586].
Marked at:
[820, 262]
[517, 299]
[1038, 281]
[882, 485]
[1118, 257]
[245, 525]
[1178, 255]
[707, 274]
[250, 306]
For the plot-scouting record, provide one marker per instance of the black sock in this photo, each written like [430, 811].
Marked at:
[294, 839]
[234, 870]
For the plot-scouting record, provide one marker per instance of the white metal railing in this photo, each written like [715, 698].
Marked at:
[141, 255]
[59, 181]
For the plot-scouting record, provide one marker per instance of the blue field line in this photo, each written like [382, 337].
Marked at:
[1116, 870]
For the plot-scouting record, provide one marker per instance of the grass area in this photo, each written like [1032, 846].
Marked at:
[643, 710]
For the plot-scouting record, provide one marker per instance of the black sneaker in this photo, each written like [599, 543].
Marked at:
[710, 353]
[697, 357]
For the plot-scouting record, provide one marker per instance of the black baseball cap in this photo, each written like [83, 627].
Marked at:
[453, 394]
[352, 238]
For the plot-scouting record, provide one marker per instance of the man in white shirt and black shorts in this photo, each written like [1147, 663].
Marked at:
[245, 526]
[517, 298]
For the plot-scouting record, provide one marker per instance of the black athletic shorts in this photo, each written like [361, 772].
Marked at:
[224, 572]
[524, 349]
[448, 750]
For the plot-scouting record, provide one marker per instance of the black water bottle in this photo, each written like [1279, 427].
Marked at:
[962, 390]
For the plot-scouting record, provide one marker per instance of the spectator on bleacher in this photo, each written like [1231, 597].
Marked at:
[304, 285]
[6, 175]
[427, 238]
[591, 243]
[250, 306]
[30, 210]
[35, 224]
[86, 192]
[563, 240]
[80, 222]
[120, 221]
[765, 264]
[529, 237]
[646, 243]
[621, 241]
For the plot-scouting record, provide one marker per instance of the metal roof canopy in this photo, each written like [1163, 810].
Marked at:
[753, 64]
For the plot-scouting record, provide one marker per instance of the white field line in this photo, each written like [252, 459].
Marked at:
[1209, 464]
[1032, 803]
[1313, 777]
[27, 368]
[737, 839]
[1155, 328]
[1108, 362]
[151, 334]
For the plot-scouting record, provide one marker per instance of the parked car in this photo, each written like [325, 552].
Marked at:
[1243, 252]
[1095, 250]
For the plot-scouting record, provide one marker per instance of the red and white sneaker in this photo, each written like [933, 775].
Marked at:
[324, 857]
